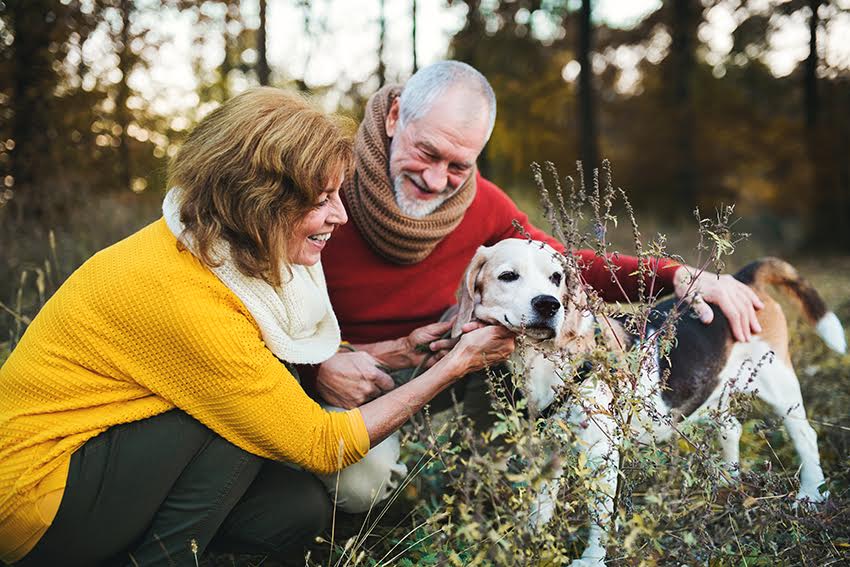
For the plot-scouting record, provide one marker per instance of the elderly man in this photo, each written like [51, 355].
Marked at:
[420, 209]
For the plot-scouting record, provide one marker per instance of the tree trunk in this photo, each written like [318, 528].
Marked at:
[843, 164]
[810, 79]
[382, 23]
[122, 117]
[413, 39]
[586, 101]
[822, 224]
[306, 6]
[33, 81]
[682, 52]
[232, 9]
[263, 70]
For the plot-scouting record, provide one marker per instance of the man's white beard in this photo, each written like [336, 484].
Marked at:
[417, 208]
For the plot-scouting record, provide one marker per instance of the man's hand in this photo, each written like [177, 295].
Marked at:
[736, 300]
[429, 341]
[350, 379]
[421, 342]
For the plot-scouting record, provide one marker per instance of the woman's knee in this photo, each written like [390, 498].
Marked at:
[317, 508]
[284, 509]
[305, 514]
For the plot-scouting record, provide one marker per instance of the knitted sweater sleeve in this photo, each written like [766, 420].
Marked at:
[237, 388]
[615, 277]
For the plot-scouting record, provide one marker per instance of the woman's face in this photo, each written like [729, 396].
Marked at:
[314, 230]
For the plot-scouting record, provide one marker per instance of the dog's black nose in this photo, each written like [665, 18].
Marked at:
[546, 305]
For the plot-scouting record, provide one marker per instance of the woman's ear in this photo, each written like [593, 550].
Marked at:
[466, 294]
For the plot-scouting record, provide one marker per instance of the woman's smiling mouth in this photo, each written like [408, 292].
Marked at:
[320, 238]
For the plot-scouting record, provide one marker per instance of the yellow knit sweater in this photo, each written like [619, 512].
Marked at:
[139, 329]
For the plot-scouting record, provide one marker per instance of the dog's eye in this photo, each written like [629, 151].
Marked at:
[509, 276]
[556, 278]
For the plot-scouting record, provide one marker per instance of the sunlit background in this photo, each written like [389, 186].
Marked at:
[695, 103]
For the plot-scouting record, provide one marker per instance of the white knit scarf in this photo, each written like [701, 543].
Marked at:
[296, 320]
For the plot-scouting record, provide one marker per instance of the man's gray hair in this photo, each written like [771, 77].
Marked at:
[429, 83]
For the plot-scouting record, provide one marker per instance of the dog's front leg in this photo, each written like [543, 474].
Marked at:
[729, 434]
[597, 433]
[543, 507]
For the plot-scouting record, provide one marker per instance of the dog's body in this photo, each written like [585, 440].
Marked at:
[519, 284]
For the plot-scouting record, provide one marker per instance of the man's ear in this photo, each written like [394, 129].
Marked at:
[466, 293]
[391, 122]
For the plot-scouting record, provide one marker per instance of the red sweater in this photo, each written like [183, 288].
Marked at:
[377, 300]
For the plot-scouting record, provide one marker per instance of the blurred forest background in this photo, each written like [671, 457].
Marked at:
[687, 101]
[695, 102]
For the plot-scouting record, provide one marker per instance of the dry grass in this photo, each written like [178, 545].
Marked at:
[459, 508]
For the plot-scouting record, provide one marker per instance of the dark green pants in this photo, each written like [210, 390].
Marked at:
[148, 492]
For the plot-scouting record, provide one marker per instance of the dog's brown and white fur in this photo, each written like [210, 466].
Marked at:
[519, 284]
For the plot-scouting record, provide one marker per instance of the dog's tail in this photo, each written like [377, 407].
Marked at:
[779, 273]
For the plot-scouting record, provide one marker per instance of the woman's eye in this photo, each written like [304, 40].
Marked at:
[508, 276]
[321, 204]
[556, 278]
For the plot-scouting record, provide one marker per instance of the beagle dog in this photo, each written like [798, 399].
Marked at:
[522, 285]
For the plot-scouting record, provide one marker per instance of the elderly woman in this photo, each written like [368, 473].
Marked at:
[150, 412]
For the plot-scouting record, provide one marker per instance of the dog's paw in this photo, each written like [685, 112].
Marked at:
[588, 562]
[809, 499]
[593, 556]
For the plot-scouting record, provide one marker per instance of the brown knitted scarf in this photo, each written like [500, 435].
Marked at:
[371, 202]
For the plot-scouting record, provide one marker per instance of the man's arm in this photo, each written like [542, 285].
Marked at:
[616, 277]
[661, 276]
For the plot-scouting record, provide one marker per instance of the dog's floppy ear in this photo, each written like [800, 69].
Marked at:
[466, 293]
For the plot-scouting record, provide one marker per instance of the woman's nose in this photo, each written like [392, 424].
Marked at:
[338, 214]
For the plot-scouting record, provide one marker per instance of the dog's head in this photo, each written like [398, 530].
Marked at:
[518, 284]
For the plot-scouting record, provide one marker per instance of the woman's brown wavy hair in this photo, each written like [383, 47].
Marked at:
[252, 169]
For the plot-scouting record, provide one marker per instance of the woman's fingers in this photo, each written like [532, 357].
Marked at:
[487, 345]
[472, 325]
[448, 344]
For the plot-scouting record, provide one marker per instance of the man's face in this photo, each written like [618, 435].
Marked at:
[432, 156]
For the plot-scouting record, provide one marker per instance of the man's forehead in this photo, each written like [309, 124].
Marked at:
[442, 134]
[459, 107]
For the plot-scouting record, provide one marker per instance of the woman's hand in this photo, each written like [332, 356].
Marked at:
[481, 346]
[476, 349]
